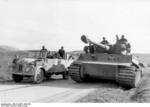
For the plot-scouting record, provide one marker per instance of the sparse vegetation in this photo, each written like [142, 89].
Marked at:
[142, 92]
[108, 95]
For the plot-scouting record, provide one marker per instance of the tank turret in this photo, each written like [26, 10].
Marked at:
[118, 48]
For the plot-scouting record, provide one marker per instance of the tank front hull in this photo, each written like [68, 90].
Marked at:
[100, 71]
[119, 68]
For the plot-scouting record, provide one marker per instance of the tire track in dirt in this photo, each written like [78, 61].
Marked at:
[74, 92]
[7, 86]
[15, 88]
[48, 91]
[67, 96]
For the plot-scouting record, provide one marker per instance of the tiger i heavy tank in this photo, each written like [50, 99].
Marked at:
[106, 62]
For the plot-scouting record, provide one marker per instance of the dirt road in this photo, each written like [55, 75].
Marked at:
[49, 91]
[54, 90]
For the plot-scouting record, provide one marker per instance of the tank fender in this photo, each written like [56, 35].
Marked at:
[135, 63]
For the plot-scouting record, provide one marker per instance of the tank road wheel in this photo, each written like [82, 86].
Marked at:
[129, 77]
[65, 75]
[74, 72]
[39, 76]
[17, 78]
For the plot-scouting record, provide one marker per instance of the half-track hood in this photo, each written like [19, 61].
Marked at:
[26, 60]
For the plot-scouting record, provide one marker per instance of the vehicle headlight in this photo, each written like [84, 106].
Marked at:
[29, 68]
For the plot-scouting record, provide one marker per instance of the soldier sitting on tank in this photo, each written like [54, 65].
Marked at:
[92, 49]
[128, 48]
[86, 49]
[43, 53]
[104, 41]
[123, 39]
[125, 47]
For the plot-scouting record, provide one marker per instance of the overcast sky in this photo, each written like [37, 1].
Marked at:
[29, 24]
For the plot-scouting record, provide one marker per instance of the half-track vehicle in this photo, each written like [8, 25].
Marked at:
[38, 69]
[106, 62]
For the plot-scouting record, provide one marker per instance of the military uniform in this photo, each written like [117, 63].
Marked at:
[61, 53]
[105, 42]
[43, 54]
[125, 46]
[123, 40]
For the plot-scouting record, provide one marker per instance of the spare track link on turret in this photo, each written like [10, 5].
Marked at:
[127, 76]
[75, 72]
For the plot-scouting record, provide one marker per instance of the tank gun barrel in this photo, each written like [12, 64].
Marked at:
[86, 40]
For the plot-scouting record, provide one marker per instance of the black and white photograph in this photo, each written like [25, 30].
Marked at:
[74, 51]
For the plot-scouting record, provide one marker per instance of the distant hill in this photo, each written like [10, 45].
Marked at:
[143, 57]
[4, 48]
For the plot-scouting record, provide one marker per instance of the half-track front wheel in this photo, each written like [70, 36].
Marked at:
[39, 76]
[75, 72]
[17, 78]
[129, 77]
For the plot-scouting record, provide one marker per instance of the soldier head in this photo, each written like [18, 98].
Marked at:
[43, 47]
[15, 60]
[62, 47]
[104, 38]
[122, 37]
[16, 57]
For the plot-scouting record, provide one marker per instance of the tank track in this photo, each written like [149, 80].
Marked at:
[127, 77]
[74, 72]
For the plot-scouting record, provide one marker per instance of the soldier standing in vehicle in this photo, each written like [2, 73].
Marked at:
[61, 52]
[15, 59]
[43, 53]
[104, 41]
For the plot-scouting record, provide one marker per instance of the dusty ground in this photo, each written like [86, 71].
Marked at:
[57, 90]
[108, 95]
[49, 91]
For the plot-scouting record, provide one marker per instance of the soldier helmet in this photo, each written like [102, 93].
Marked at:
[122, 36]
[104, 38]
